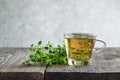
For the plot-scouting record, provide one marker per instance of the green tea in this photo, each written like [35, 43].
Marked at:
[79, 48]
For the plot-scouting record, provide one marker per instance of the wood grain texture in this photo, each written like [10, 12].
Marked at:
[105, 65]
[11, 67]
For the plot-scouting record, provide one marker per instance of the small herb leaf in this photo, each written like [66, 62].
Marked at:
[47, 55]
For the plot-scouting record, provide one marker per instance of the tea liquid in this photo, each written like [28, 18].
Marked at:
[79, 48]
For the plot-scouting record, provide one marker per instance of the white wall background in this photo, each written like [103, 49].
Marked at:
[23, 22]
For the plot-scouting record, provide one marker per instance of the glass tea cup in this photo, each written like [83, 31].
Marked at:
[79, 47]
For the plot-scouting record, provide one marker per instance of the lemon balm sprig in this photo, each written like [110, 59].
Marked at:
[47, 55]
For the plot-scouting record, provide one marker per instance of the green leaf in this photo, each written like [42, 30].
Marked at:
[40, 42]
[46, 47]
[32, 48]
[32, 58]
[26, 62]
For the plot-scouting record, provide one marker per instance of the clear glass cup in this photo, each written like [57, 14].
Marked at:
[79, 47]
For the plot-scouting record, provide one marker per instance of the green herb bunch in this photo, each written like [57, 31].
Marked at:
[47, 55]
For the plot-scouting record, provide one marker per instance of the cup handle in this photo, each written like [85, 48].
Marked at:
[101, 47]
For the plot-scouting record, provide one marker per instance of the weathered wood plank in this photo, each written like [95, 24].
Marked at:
[105, 65]
[11, 67]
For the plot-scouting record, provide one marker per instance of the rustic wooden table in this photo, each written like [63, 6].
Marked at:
[105, 65]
